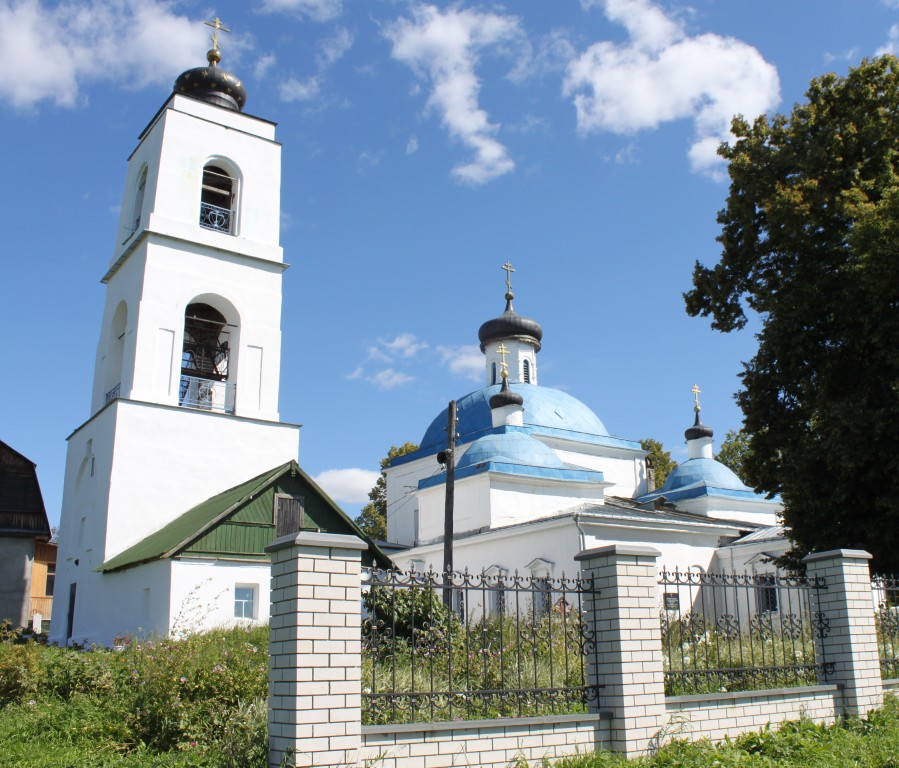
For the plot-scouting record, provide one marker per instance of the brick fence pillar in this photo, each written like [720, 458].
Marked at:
[625, 614]
[850, 643]
[314, 678]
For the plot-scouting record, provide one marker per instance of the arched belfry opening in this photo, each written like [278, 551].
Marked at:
[206, 360]
[115, 353]
[217, 199]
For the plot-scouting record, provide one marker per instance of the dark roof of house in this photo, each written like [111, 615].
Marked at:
[22, 511]
[246, 509]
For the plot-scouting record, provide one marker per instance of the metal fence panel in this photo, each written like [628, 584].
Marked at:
[470, 646]
[735, 632]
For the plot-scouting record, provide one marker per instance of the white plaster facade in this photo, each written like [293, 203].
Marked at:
[142, 459]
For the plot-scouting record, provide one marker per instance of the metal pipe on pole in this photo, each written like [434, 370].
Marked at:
[448, 507]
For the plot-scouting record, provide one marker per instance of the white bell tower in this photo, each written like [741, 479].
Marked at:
[185, 393]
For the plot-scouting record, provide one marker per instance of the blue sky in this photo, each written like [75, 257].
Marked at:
[424, 146]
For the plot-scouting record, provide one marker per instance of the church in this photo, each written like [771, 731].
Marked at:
[538, 478]
[183, 473]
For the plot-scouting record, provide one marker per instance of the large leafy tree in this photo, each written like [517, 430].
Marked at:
[733, 450]
[810, 242]
[373, 517]
[659, 459]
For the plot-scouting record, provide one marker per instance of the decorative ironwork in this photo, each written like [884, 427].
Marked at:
[511, 645]
[731, 632]
[113, 393]
[216, 217]
[886, 618]
[206, 394]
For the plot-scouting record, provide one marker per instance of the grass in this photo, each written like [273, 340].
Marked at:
[200, 701]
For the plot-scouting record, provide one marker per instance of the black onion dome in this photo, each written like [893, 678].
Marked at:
[510, 325]
[698, 430]
[505, 396]
[213, 85]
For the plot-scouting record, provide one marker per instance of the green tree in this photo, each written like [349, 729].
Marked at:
[732, 452]
[373, 517]
[809, 242]
[659, 459]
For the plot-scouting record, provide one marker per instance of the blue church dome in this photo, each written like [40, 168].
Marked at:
[544, 408]
[511, 448]
[703, 471]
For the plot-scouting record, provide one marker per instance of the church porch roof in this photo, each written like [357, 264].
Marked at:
[237, 524]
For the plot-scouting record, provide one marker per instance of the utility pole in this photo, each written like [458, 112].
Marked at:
[448, 509]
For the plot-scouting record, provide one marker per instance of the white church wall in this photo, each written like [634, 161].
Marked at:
[402, 501]
[738, 510]
[168, 460]
[515, 500]
[623, 470]
[203, 593]
[471, 508]
[133, 602]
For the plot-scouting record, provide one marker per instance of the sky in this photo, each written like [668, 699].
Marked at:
[424, 145]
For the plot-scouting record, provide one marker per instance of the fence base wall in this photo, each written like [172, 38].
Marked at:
[483, 743]
[718, 715]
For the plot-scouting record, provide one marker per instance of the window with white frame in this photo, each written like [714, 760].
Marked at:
[245, 601]
[541, 586]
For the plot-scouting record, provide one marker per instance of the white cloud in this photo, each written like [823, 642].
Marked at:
[465, 360]
[892, 44]
[662, 74]
[350, 486]
[404, 345]
[443, 47]
[317, 10]
[390, 378]
[330, 51]
[412, 146]
[263, 65]
[356, 374]
[52, 53]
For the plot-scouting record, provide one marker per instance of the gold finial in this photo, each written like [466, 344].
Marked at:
[509, 270]
[504, 372]
[214, 55]
[696, 390]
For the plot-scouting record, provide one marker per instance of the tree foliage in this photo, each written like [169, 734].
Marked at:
[659, 459]
[809, 242]
[373, 517]
[732, 452]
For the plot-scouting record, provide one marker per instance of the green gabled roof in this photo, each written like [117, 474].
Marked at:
[195, 526]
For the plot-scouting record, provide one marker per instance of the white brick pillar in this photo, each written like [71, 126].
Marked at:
[850, 643]
[314, 678]
[625, 616]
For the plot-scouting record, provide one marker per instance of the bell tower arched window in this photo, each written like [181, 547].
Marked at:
[526, 371]
[217, 200]
[138, 208]
[205, 360]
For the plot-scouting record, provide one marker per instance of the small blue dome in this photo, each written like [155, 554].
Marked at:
[543, 407]
[510, 448]
[708, 471]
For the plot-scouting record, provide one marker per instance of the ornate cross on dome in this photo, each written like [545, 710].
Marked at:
[504, 372]
[216, 24]
[509, 270]
[696, 390]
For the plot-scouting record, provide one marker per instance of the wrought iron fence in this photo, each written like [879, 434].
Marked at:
[472, 646]
[206, 394]
[735, 632]
[886, 616]
[215, 217]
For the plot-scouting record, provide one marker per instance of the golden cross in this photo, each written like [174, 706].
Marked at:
[216, 24]
[502, 353]
[695, 390]
[509, 270]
